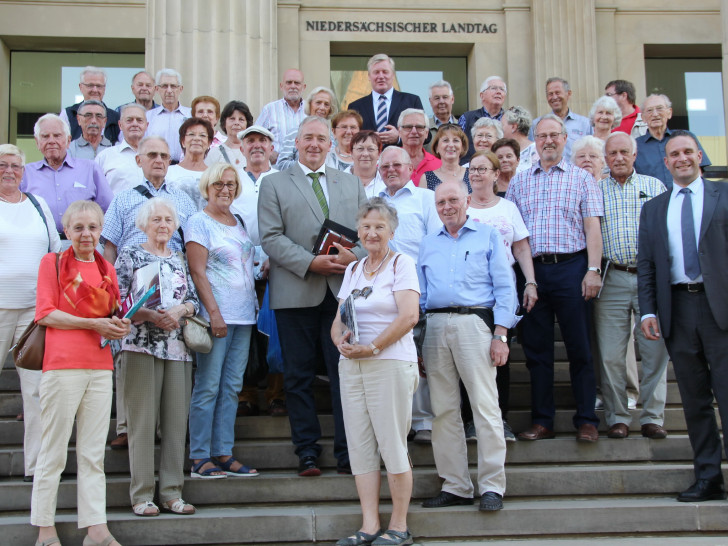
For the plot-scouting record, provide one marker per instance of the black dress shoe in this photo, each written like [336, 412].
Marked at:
[28, 479]
[307, 466]
[446, 499]
[490, 501]
[343, 468]
[703, 490]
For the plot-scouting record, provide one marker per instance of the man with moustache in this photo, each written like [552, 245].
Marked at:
[92, 87]
[284, 115]
[561, 205]
[92, 120]
[166, 119]
[493, 94]
[683, 297]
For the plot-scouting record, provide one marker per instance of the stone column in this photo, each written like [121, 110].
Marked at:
[224, 48]
[565, 45]
[5, 92]
[519, 56]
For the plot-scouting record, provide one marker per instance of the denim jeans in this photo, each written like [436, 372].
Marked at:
[218, 380]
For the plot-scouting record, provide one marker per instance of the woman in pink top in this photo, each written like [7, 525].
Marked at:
[378, 371]
[77, 294]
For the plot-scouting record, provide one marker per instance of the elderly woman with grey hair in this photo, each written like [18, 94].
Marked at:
[588, 153]
[25, 238]
[516, 123]
[378, 372]
[605, 116]
[320, 102]
[485, 132]
[157, 365]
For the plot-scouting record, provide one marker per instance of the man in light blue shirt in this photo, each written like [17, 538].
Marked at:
[558, 94]
[166, 119]
[470, 299]
[417, 218]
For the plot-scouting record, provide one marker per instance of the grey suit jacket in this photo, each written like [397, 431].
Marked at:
[289, 219]
[653, 259]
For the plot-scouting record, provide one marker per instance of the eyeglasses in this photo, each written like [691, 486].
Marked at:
[155, 155]
[654, 110]
[16, 167]
[94, 85]
[363, 293]
[387, 166]
[166, 86]
[496, 88]
[408, 128]
[544, 136]
[90, 115]
[227, 185]
[347, 127]
[481, 170]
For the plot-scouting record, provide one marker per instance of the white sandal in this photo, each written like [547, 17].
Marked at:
[179, 506]
[141, 509]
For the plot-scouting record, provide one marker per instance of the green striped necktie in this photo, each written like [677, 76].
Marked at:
[319, 191]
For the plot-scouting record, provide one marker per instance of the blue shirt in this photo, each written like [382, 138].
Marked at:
[651, 157]
[120, 220]
[471, 270]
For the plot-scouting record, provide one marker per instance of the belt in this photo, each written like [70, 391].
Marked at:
[627, 268]
[556, 258]
[458, 310]
[63, 236]
[691, 287]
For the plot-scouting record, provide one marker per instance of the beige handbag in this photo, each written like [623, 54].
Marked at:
[196, 331]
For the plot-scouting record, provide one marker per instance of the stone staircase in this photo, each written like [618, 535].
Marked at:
[559, 491]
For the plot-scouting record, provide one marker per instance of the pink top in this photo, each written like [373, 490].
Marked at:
[379, 309]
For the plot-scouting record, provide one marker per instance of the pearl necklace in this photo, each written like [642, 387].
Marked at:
[486, 204]
[92, 260]
[13, 202]
[379, 266]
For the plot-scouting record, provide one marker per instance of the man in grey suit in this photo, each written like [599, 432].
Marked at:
[683, 295]
[292, 206]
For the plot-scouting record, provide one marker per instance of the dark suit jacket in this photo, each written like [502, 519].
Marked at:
[111, 131]
[653, 259]
[289, 220]
[400, 102]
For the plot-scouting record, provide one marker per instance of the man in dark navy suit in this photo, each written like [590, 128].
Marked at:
[381, 108]
[683, 295]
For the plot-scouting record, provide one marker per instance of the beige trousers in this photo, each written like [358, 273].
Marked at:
[65, 395]
[156, 390]
[458, 347]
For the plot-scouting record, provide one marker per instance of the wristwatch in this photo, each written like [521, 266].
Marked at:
[597, 270]
[504, 339]
[375, 350]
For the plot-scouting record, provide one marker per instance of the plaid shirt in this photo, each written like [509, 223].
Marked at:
[554, 204]
[621, 220]
[120, 220]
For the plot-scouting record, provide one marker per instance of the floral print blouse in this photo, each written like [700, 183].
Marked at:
[176, 288]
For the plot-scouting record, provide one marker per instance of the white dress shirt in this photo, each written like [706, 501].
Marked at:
[375, 100]
[674, 228]
[322, 178]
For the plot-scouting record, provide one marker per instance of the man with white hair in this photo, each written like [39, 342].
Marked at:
[119, 162]
[442, 100]
[92, 119]
[493, 94]
[93, 87]
[381, 108]
[59, 178]
[165, 120]
[413, 127]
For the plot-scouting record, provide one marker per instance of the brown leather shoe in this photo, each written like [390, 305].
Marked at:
[536, 432]
[653, 431]
[618, 430]
[587, 433]
[120, 442]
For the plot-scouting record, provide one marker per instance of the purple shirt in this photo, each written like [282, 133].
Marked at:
[554, 204]
[75, 179]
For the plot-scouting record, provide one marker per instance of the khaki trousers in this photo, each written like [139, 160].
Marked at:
[65, 395]
[156, 390]
[458, 347]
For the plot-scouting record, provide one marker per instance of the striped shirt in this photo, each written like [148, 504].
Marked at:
[280, 119]
[622, 208]
[554, 204]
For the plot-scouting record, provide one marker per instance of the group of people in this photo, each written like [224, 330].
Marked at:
[468, 231]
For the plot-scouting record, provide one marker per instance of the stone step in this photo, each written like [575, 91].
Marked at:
[279, 455]
[286, 486]
[327, 522]
[681, 540]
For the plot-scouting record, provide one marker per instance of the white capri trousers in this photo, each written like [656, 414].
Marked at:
[376, 398]
[65, 395]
